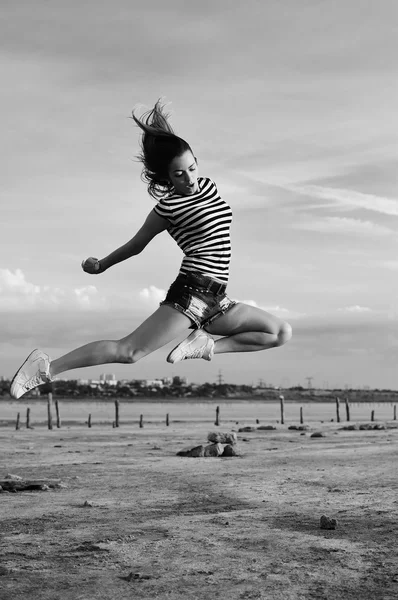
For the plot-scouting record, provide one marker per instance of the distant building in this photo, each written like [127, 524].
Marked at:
[156, 383]
[93, 383]
[108, 378]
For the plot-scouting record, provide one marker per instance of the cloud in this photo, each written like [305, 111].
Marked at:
[355, 309]
[152, 295]
[343, 320]
[344, 225]
[351, 198]
[278, 311]
[18, 294]
[389, 264]
[344, 332]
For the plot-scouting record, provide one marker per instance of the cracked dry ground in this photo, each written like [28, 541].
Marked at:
[162, 526]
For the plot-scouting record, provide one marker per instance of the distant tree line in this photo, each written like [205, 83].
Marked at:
[72, 388]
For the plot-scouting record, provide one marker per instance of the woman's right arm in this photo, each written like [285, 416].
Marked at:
[153, 225]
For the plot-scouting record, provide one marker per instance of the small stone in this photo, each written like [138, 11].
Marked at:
[229, 450]
[248, 428]
[327, 523]
[222, 438]
[193, 451]
[318, 434]
[213, 450]
[88, 504]
[13, 477]
[266, 427]
[134, 576]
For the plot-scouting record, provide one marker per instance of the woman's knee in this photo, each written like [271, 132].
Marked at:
[284, 334]
[127, 354]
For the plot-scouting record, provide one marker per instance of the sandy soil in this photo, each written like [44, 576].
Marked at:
[162, 526]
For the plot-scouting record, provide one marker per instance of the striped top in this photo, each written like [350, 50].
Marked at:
[200, 224]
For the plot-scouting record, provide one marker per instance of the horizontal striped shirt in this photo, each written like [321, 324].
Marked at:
[200, 224]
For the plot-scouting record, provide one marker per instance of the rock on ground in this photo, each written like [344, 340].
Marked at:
[193, 451]
[222, 438]
[229, 450]
[214, 450]
[327, 523]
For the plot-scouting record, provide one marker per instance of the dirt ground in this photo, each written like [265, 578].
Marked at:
[162, 526]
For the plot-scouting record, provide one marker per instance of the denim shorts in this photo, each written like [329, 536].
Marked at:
[199, 297]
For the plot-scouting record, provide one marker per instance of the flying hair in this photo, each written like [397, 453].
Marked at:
[159, 146]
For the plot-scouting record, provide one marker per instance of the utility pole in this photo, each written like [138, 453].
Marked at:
[309, 380]
[220, 379]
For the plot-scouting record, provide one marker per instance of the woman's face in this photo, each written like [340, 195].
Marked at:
[183, 173]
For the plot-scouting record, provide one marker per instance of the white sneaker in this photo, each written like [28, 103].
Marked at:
[34, 371]
[196, 345]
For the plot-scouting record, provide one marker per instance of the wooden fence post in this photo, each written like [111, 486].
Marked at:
[395, 412]
[282, 399]
[49, 410]
[217, 421]
[17, 423]
[301, 415]
[28, 418]
[337, 410]
[167, 419]
[89, 420]
[116, 413]
[141, 421]
[57, 413]
[372, 415]
[347, 409]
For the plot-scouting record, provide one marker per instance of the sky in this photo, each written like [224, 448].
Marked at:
[289, 106]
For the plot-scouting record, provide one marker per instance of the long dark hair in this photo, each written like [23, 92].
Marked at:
[159, 146]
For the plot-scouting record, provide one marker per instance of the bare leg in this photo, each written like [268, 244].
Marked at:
[160, 328]
[248, 329]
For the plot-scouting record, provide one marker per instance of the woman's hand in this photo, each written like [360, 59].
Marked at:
[91, 265]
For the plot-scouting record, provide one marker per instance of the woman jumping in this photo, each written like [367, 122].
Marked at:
[198, 219]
